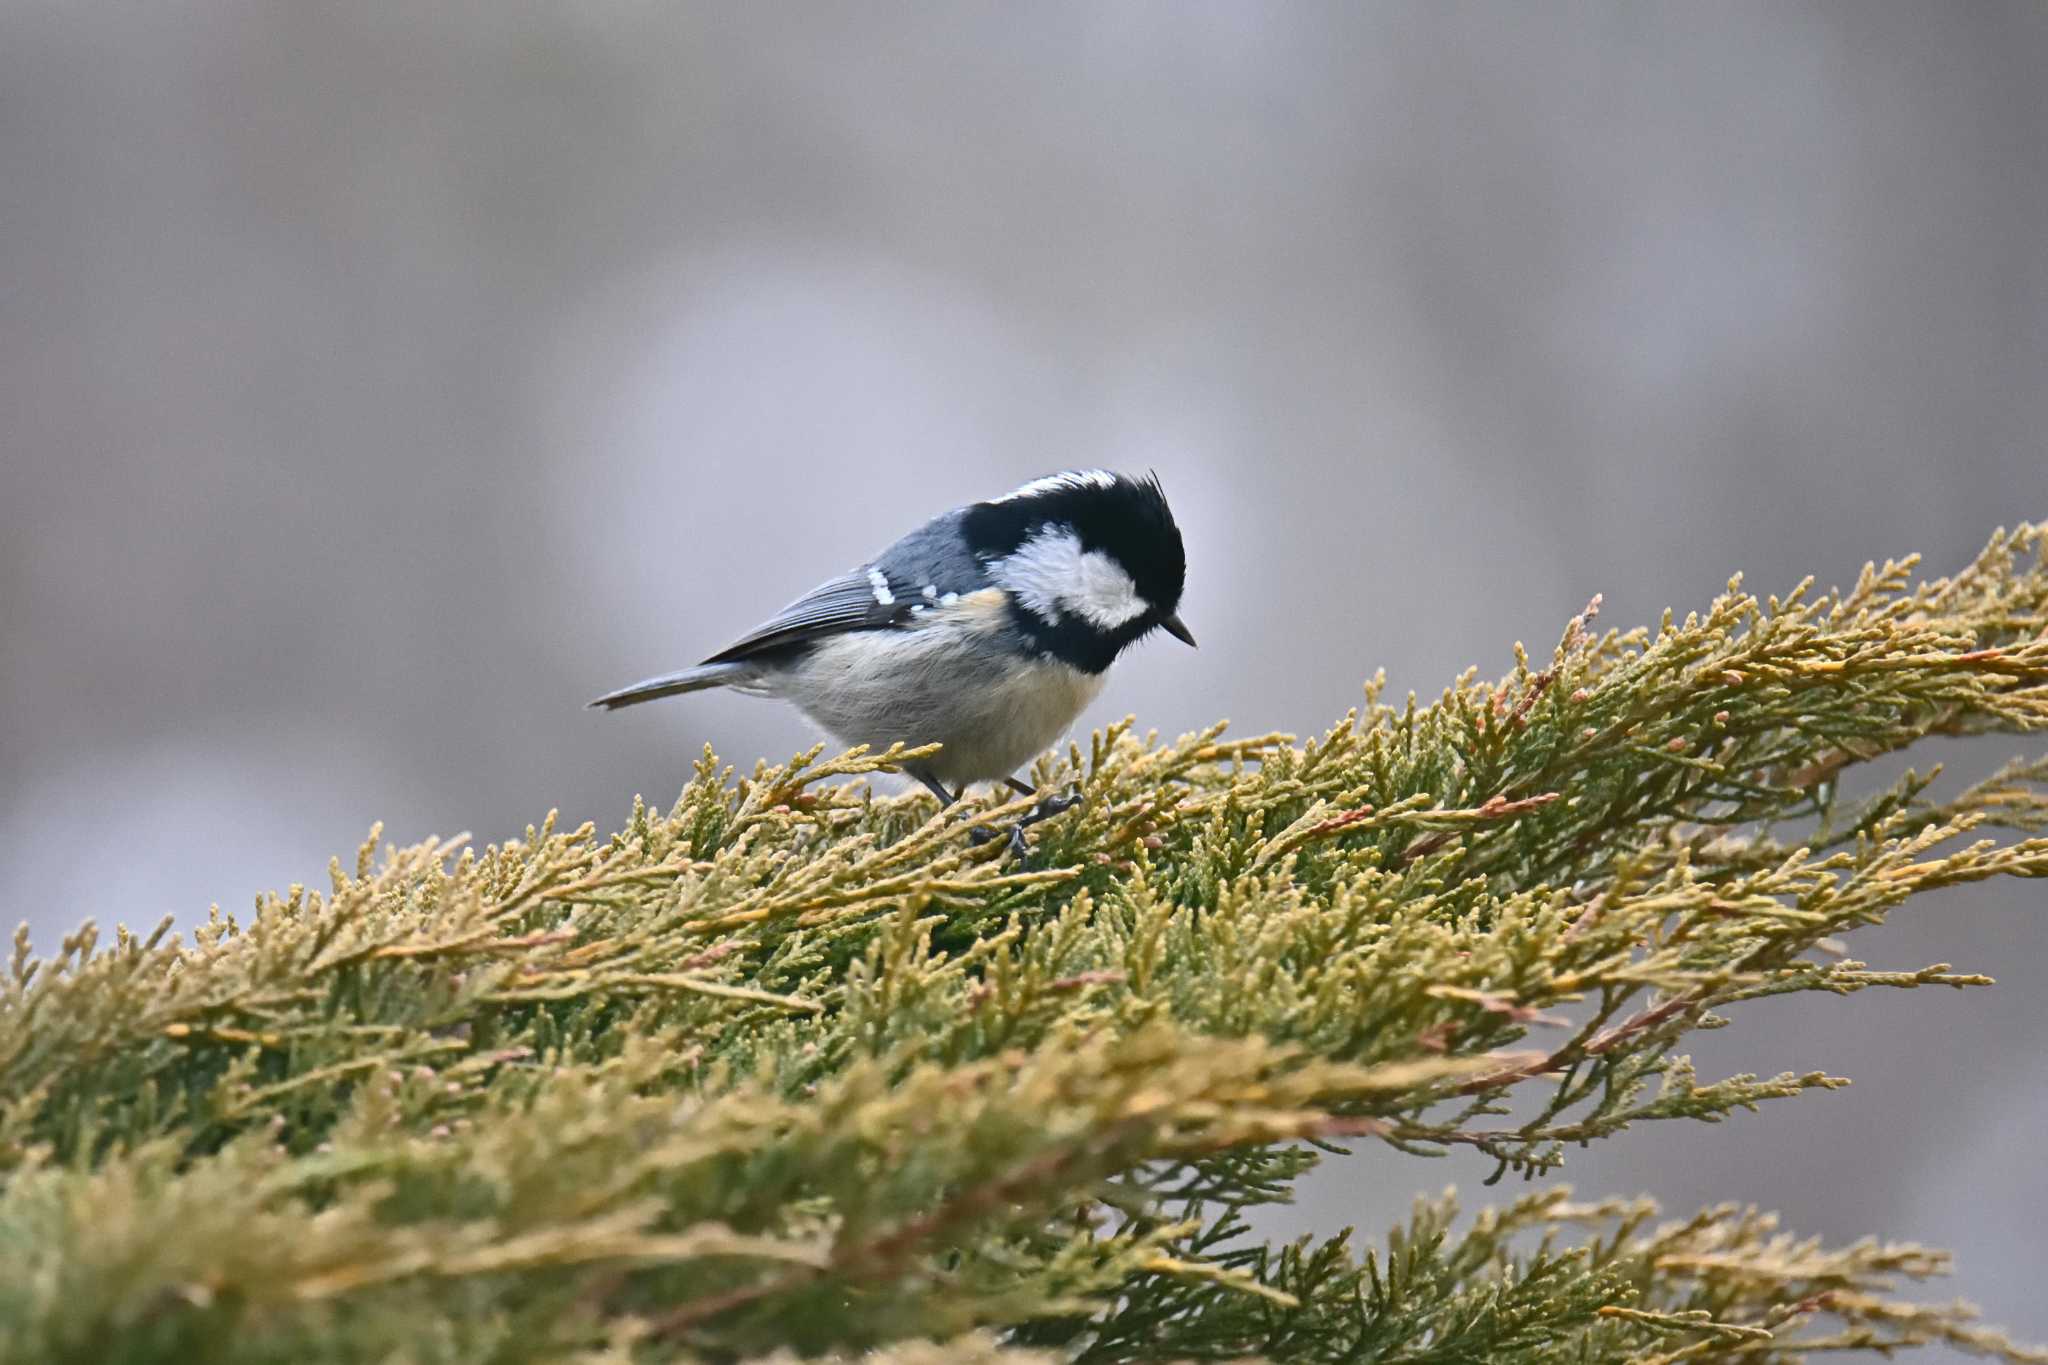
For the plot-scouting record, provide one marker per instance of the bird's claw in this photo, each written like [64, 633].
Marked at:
[1047, 807]
[1018, 848]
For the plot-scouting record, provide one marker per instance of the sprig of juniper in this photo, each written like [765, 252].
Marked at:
[791, 1066]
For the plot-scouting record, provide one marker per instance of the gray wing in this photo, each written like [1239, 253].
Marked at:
[935, 556]
[864, 599]
[914, 573]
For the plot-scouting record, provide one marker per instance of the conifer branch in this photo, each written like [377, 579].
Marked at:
[790, 1070]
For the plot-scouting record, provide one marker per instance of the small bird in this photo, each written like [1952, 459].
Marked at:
[986, 630]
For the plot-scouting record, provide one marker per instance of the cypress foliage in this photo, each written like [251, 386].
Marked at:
[790, 1070]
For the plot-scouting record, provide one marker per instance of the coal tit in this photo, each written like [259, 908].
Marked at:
[986, 629]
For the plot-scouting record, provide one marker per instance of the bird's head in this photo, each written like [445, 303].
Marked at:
[1092, 562]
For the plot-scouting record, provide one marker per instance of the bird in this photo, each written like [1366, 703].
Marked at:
[986, 630]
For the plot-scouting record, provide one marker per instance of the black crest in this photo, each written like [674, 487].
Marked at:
[1123, 517]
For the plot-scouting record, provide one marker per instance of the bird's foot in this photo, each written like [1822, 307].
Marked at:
[1047, 807]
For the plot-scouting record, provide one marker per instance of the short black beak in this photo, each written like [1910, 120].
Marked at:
[1178, 631]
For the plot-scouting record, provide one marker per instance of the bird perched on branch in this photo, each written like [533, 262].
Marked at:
[986, 630]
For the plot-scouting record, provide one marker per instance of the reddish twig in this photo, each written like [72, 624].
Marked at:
[1605, 1041]
[1495, 807]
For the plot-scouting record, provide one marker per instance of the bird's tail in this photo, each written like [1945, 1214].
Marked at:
[669, 684]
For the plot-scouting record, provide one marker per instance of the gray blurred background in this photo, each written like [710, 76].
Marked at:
[379, 381]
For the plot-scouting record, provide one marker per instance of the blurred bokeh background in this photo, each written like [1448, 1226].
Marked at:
[379, 381]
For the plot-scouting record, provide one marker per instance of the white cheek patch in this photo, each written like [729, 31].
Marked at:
[1052, 575]
[1106, 595]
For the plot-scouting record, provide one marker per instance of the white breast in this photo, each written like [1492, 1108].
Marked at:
[951, 681]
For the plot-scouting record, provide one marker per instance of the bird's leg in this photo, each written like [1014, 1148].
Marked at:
[978, 837]
[1047, 807]
[936, 788]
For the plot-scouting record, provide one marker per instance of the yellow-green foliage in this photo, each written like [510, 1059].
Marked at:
[793, 1070]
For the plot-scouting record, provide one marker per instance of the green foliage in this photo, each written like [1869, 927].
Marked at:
[792, 1071]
